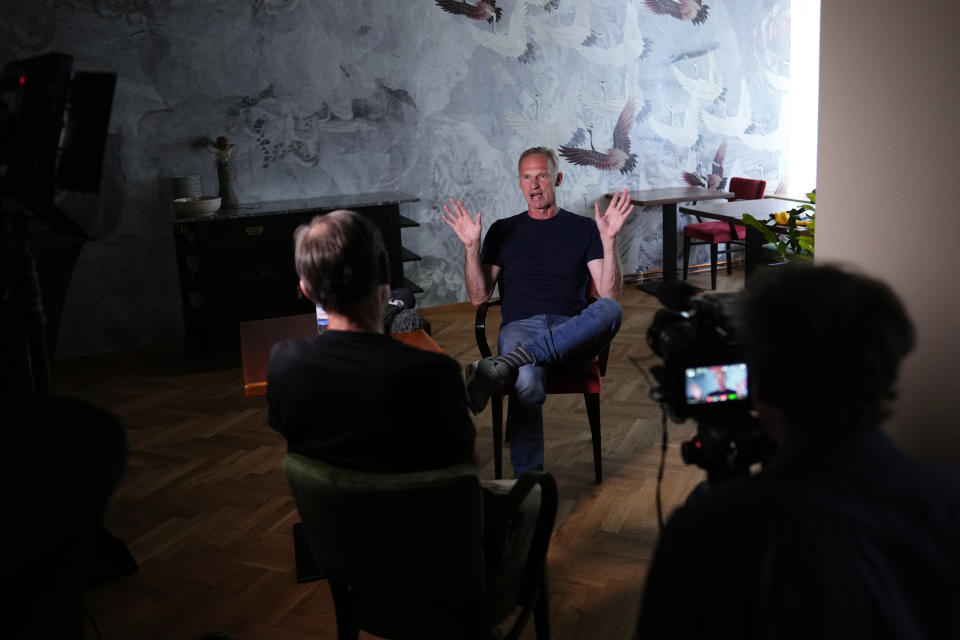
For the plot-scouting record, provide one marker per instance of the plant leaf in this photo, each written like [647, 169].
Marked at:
[768, 235]
[782, 249]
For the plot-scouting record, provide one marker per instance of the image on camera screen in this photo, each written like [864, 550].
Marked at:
[716, 383]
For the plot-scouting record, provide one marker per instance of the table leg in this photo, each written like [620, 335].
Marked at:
[752, 253]
[669, 251]
[670, 242]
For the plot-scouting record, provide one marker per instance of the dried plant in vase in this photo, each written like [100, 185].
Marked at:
[224, 151]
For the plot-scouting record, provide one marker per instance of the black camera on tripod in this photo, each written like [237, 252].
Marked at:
[704, 377]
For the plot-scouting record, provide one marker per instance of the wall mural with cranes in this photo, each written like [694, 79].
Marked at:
[436, 98]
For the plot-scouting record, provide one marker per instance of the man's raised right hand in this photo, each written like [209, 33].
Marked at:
[466, 228]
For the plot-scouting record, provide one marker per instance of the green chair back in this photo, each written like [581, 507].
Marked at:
[393, 535]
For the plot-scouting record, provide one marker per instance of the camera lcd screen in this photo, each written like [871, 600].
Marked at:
[716, 383]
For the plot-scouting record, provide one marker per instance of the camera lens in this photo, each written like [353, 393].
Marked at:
[669, 332]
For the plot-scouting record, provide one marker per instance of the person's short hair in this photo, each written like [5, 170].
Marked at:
[552, 162]
[337, 257]
[824, 345]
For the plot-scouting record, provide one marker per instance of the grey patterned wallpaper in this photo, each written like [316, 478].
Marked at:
[326, 97]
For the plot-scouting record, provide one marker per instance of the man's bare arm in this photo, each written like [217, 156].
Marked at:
[606, 273]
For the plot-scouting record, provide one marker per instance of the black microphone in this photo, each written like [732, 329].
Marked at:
[406, 321]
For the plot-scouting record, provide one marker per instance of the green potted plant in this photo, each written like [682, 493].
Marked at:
[791, 232]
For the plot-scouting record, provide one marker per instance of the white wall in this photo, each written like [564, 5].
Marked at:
[799, 111]
[888, 168]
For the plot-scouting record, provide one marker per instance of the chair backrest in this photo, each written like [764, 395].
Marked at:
[413, 536]
[747, 188]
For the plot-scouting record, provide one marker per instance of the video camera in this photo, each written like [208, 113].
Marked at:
[704, 377]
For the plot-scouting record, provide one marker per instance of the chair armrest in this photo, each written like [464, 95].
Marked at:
[480, 326]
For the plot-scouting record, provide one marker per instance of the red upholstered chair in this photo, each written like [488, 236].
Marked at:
[717, 233]
[583, 379]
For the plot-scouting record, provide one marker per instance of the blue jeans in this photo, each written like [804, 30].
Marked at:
[551, 339]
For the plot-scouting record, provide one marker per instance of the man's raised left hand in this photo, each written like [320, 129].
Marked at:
[619, 209]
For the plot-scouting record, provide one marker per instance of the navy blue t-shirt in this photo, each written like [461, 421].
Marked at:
[543, 263]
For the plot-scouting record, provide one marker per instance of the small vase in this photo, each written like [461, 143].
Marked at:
[225, 177]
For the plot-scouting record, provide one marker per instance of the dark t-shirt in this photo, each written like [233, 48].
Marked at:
[543, 263]
[849, 540]
[368, 402]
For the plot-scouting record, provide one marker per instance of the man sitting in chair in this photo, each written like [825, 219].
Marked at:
[352, 396]
[355, 398]
[543, 260]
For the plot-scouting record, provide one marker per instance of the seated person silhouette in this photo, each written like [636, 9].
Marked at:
[356, 398]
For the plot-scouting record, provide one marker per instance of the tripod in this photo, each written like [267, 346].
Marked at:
[67, 457]
[22, 320]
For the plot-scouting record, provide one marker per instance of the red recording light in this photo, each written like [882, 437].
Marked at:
[23, 80]
[698, 444]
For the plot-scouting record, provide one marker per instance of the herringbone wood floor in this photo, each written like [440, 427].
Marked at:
[205, 511]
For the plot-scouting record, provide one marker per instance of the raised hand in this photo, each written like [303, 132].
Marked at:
[466, 227]
[619, 209]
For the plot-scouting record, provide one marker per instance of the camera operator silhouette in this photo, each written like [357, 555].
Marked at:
[841, 535]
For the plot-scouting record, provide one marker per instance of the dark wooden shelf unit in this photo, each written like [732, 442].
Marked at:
[408, 256]
[237, 264]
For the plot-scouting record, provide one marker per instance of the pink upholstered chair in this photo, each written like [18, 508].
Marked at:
[717, 233]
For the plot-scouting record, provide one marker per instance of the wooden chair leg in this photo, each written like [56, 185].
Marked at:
[713, 265]
[729, 259]
[347, 628]
[686, 255]
[307, 570]
[496, 411]
[541, 611]
[592, 400]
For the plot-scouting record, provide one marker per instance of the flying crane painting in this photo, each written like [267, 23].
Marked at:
[616, 157]
[484, 10]
[693, 10]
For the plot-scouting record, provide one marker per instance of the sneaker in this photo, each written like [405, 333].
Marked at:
[486, 377]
